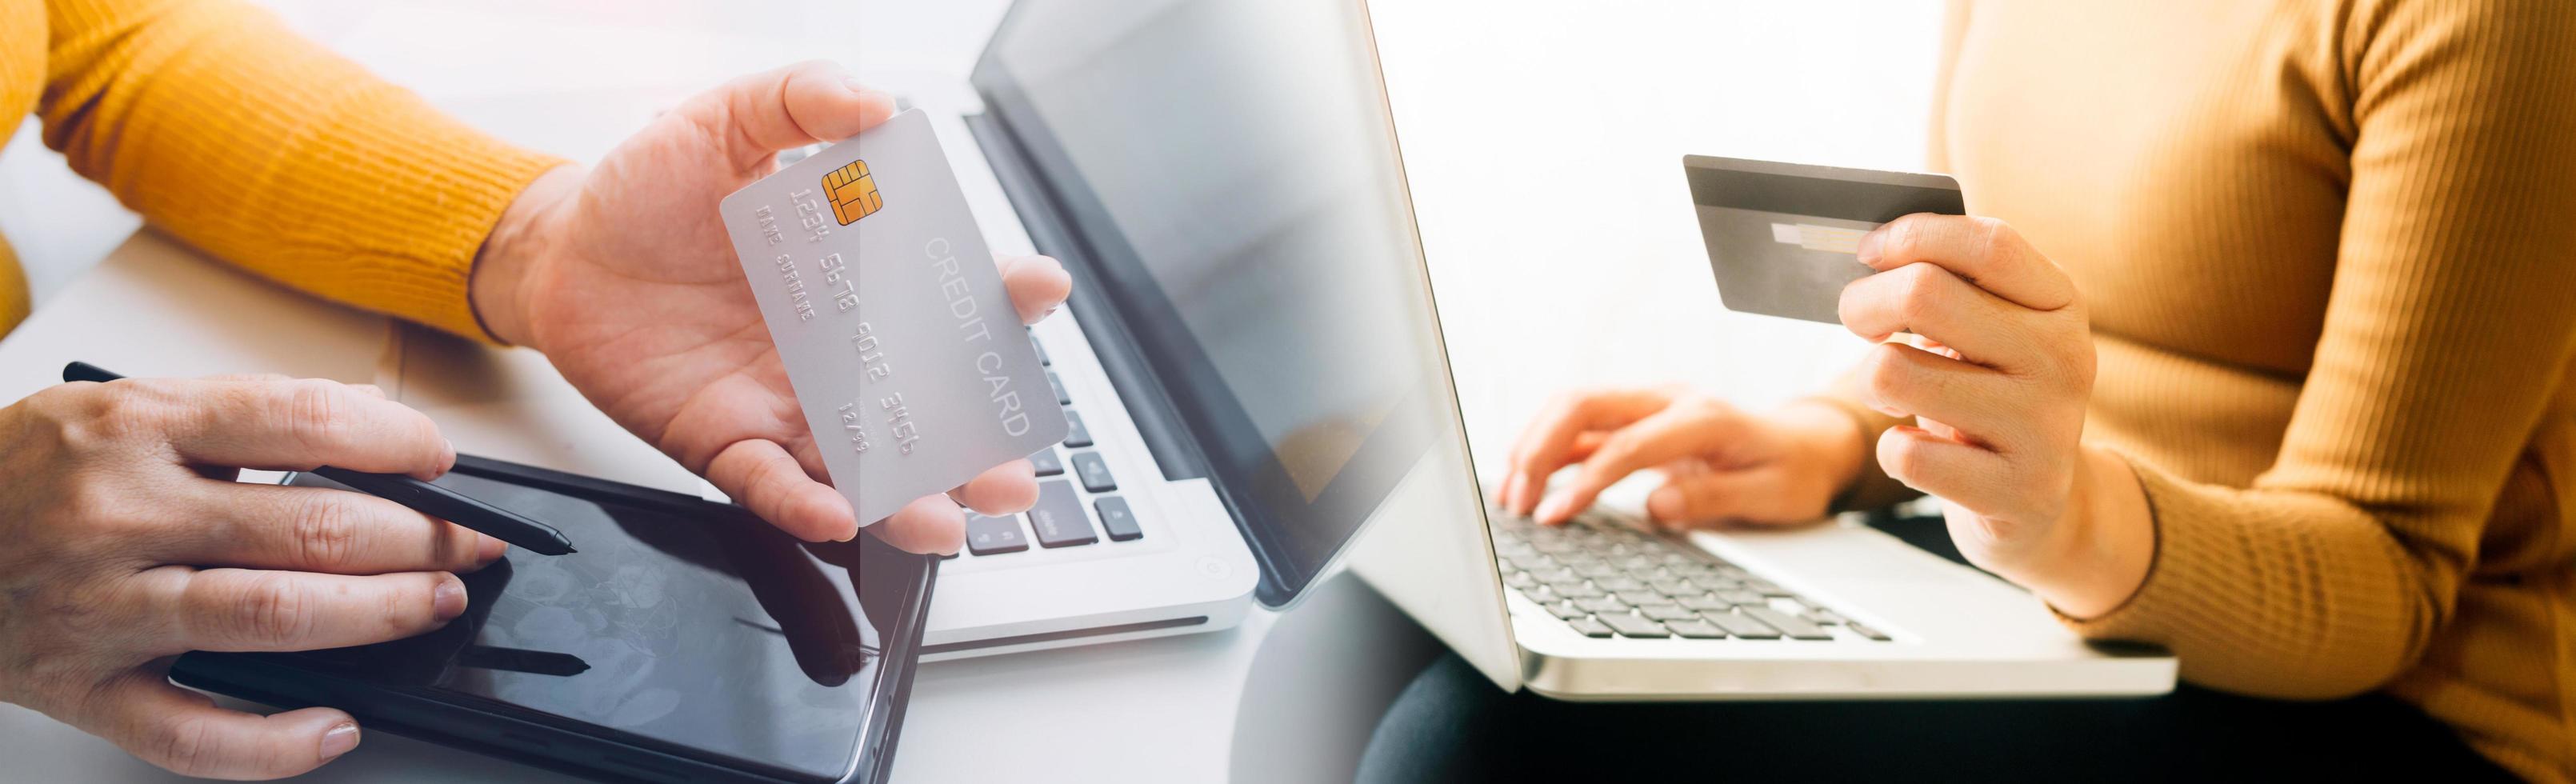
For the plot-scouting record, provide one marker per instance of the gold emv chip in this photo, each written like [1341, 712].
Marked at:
[853, 192]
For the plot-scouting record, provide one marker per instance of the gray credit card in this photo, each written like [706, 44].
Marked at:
[1781, 236]
[907, 356]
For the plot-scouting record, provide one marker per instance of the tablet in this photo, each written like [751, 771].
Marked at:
[686, 641]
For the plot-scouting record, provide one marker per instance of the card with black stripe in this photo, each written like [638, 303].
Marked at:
[1781, 236]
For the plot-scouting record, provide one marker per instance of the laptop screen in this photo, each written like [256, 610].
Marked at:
[1231, 174]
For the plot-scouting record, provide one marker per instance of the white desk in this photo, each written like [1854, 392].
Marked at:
[1285, 697]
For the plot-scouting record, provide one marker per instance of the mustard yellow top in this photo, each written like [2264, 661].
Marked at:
[2330, 250]
[231, 133]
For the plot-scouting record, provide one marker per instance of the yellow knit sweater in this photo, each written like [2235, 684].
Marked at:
[229, 132]
[2330, 249]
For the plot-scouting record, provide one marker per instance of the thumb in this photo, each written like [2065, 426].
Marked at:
[755, 116]
[184, 732]
[1697, 495]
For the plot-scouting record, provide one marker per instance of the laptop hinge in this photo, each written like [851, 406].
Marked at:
[1143, 395]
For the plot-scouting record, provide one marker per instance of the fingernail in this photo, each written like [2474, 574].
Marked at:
[339, 741]
[448, 600]
[1869, 246]
[1554, 508]
[448, 461]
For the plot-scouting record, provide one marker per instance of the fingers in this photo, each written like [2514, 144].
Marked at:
[766, 479]
[185, 732]
[1983, 251]
[312, 529]
[1962, 473]
[1903, 381]
[1544, 446]
[292, 426]
[1037, 285]
[930, 524]
[756, 116]
[256, 610]
[1673, 432]
[1009, 488]
[1927, 300]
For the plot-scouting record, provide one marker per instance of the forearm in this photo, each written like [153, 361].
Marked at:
[227, 130]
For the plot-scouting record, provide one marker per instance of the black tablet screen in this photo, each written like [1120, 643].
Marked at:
[691, 624]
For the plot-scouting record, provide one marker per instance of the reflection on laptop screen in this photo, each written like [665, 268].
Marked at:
[1231, 173]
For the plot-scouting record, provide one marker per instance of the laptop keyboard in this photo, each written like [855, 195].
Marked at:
[1605, 579]
[1077, 503]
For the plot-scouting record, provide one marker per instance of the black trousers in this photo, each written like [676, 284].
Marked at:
[1451, 724]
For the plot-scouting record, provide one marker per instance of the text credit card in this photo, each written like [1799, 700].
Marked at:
[905, 352]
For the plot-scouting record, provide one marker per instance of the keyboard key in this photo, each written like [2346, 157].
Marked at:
[1866, 631]
[1118, 520]
[1742, 597]
[1047, 462]
[1061, 397]
[1676, 588]
[991, 535]
[1041, 347]
[1521, 580]
[1794, 626]
[1633, 626]
[1706, 604]
[1768, 588]
[1577, 589]
[1542, 594]
[1601, 604]
[1666, 612]
[1824, 617]
[1566, 611]
[1588, 627]
[1737, 625]
[1620, 583]
[1094, 472]
[1642, 598]
[1058, 517]
[1075, 435]
[1695, 629]
[1598, 571]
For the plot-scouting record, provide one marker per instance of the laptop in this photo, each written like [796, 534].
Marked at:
[1247, 358]
[1253, 355]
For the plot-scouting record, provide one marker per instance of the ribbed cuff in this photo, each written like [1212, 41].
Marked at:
[444, 187]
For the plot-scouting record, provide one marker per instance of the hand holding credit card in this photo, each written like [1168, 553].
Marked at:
[1781, 236]
[906, 354]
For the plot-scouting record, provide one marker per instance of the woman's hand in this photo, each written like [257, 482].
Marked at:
[127, 542]
[1999, 397]
[624, 277]
[1720, 464]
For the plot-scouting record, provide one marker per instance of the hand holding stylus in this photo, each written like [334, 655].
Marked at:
[129, 543]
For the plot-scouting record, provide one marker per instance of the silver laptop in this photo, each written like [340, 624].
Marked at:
[1247, 356]
[1253, 353]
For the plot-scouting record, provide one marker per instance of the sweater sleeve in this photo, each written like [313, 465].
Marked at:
[230, 132]
[2448, 328]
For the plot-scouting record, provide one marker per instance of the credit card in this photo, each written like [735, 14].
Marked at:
[1781, 236]
[905, 352]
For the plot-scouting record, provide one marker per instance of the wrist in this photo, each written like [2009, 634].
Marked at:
[2100, 552]
[1833, 439]
[520, 243]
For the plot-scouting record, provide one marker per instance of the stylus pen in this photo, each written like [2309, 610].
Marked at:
[422, 497]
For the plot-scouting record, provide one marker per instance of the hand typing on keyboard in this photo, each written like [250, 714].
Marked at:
[1721, 465]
